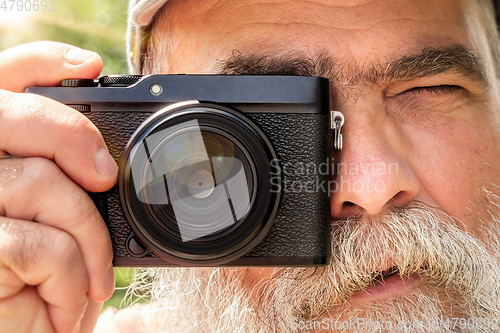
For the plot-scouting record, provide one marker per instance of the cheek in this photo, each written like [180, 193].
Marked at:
[455, 159]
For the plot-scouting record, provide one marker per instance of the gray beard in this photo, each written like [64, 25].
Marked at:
[461, 274]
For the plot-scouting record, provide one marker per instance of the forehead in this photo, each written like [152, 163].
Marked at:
[359, 30]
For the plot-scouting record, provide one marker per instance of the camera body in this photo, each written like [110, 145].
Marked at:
[201, 158]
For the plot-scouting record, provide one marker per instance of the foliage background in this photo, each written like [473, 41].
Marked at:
[97, 25]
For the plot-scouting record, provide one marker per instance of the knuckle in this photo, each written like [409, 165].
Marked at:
[8, 106]
[19, 243]
[17, 314]
[86, 211]
[70, 257]
[28, 180]
[33, 111]
[7, 228]
[28, 108]
[67, 249]
[79, 126]
[40, 170]
[5, 99]
[10, 169]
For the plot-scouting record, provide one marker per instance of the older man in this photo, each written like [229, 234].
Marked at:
[415, 247]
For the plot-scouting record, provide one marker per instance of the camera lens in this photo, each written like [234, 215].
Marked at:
[199, 193]
[196, 185]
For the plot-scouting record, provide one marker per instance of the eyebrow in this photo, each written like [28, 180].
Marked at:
[455, 59]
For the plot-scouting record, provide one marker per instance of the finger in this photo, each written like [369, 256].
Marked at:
[53, 199]
[32, 125]
[131, 319]
[49, 259]
[25, 313]
[45, 64]
[90, 317]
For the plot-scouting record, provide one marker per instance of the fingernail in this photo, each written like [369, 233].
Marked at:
[78, 56]
[109, 283]
[104, 163]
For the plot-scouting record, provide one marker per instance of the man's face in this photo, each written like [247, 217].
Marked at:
[445, 141]
[415, 81]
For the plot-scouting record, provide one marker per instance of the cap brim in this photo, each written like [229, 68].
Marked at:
[143, 12]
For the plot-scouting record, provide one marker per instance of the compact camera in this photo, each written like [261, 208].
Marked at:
[201, 158]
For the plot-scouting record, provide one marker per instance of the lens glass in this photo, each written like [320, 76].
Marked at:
[197, 183]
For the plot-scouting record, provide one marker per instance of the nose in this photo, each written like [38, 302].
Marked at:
[374, 170]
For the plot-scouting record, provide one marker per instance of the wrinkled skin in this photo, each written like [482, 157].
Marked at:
[445, 145]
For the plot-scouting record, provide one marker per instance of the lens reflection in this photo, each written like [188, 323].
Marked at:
[201, 184]
[198, 185]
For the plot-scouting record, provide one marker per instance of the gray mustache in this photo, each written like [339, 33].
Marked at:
[416, 239]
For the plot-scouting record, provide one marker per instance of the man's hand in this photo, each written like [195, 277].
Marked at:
[55, 250]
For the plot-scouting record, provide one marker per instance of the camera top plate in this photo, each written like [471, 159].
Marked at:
[241, 89]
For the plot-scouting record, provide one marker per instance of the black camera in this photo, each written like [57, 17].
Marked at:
[201, 157]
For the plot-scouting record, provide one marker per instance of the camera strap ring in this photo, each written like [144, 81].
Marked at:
[337, 121]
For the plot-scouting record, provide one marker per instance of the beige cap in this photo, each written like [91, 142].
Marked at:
[140, 16]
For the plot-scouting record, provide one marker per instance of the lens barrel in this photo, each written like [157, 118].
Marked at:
[195, 184]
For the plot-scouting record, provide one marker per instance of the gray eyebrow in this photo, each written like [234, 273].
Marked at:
[428, 61]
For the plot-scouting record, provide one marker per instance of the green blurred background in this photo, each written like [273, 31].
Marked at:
[97, 25]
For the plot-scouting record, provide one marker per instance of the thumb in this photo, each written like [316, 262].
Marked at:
[45, 64]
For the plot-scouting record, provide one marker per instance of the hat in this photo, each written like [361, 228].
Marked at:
[140, 17]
